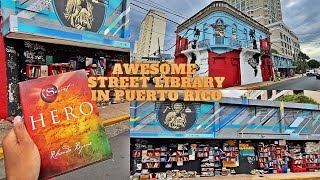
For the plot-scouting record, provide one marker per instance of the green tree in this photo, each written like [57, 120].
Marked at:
[314, 64]
[297, 98]
[301, 62]
[273, 51]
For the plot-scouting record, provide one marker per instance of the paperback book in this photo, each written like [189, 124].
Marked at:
[63, 122]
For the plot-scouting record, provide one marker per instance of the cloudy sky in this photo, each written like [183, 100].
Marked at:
[302, 16]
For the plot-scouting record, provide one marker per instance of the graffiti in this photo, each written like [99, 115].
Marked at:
[251, 159]
[81, 59]
[254, 63]
[34, 53]
[34, 46]
[11, 50]
[11, 53]
[32, 57]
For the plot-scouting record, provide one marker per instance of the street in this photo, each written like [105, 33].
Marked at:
[116, 168]
[303, 83]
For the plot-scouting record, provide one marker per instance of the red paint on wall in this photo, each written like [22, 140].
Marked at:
[3, 79]
[181, 45]
[266, 68]
[225, 65]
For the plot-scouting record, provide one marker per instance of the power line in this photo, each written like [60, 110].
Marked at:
[151, 5]
[156, 14]
[168, 8]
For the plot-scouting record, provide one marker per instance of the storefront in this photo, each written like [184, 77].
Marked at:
[234, 136]
[44, 38]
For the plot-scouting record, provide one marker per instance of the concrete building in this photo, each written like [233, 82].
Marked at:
[225, 42]
[152, 34]
[263, 11]
[285, 41]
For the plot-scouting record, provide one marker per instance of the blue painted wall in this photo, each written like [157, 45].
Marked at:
[234, 119]
[207, 32]
[282, 62]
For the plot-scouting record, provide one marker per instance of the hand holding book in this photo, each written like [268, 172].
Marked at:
[21, 155]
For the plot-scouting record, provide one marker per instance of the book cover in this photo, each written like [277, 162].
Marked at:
[63, 122]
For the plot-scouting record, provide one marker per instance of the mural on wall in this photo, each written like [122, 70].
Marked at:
[12, 83]
[176, 116]
[254, 62]
[227, 120]
[81, 14]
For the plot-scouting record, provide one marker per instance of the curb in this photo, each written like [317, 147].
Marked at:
[1, 153]
[289, 178]
[115, 120]
[268, 84]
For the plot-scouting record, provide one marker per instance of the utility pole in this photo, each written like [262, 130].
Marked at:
[159, 49]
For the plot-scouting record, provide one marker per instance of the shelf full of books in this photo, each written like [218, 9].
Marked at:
[34, 71]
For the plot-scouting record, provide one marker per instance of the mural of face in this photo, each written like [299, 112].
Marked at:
[254, 63]
[81, 14]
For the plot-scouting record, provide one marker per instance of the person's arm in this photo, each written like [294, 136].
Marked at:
[21, 155]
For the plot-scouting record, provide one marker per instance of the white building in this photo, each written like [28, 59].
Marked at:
[152, 34]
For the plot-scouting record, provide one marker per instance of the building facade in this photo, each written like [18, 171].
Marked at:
[46, 35]
[263, 11]
[283, 64]
[269, 13]
[152, 35]
[284, 41]
[224, 42]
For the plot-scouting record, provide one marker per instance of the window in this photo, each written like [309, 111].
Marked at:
[219, 28]
[234, 32]
[245, 32]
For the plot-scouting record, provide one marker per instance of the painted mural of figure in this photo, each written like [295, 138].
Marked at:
[176, 119]
[79, 13]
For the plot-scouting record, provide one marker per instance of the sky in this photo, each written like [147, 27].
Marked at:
[302, 17]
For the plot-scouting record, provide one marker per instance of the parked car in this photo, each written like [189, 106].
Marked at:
[310, 73]
[318, 76]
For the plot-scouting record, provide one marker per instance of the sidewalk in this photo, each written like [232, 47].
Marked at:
[262, 84]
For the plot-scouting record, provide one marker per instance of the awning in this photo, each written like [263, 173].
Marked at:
[20, 28]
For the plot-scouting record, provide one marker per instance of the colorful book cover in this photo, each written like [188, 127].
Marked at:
[63, 122]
